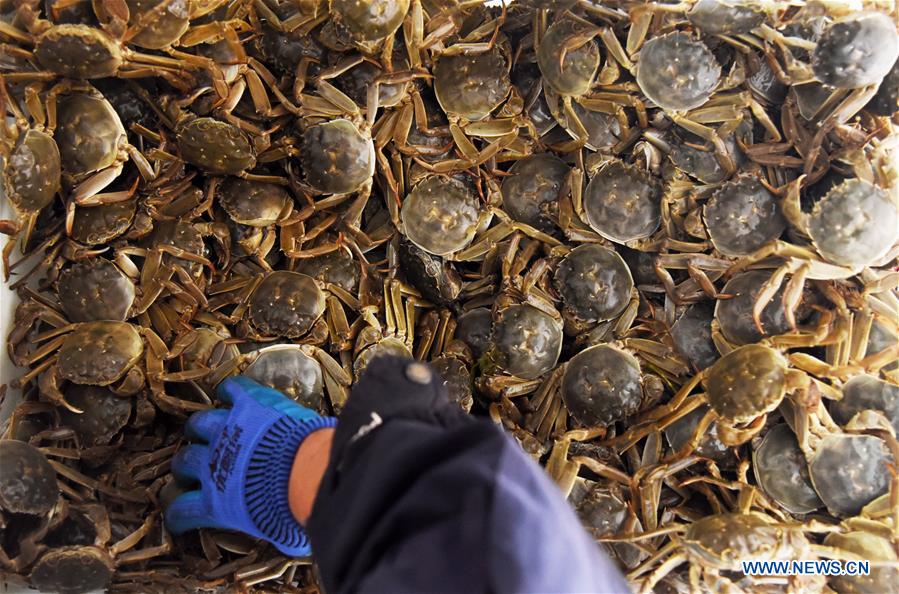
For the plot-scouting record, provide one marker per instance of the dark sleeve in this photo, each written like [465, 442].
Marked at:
[422, 497]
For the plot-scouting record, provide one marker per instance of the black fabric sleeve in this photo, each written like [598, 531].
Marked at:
[421, 497]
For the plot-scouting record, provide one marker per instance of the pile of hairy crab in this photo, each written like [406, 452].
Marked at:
[656, 243]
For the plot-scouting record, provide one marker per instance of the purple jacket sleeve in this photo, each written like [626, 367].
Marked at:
[421, 497]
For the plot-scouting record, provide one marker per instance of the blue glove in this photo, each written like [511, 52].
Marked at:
[244, 467]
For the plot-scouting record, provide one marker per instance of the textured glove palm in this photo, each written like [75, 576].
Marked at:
[243, 468]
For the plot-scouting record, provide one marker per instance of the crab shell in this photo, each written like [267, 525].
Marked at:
[623, 203]
[105, 413]
[533, 184]
[95, 290]
[370, 20]
[677, 72]
[856, 51]
[287, 368]
[216, 146]
[89, 133]
[390, 346]
[440, 215]
[871, 546]
[855, 224]
[745, 383]
[99, 353]
[601, 385]
[692, 335]
[257, 204]
[471, 86]
[337, 158]
[866, 392]
[720, 17]
[782, 472]
[78, 51]
[525, 341]
[95, 225]
[73, 570]
[679, 433]
[286, 304]
[722, 541]
[850, 471]
[32, 173]
[474, 329]
[734, 315]
[165, 21]
[575, 75]
[742, 216]
[337, 267]
[27, 481]
[594, 282]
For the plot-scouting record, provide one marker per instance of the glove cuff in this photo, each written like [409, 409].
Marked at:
[267, 480]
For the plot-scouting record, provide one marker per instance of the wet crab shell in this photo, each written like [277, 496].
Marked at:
[435, 278]
[623, 203]
[390, 346]
[78, 51]
[601, 385]
[27, 481]
[163, 21]
[692, 335]
[782, 472]
[856, 51]
[677, 72]
[216, 146]
[719, 17]
[575, 75]
[183, 236]
[742, 216]
[871, 546]
[257, 204]
[866, 392]
[687, 154]
[337, 157]
[724, 540]
[604, 514]
[603, 130]
[99, 353]
[886, 101]
[734, 315]
[73, 570]
[525, 341]
[337, 267]
[471, 86]
[533, 184]
[286, 304]
[89, 133]
[456, 380]
[594, 282]
[370, 20]
[287, 368]
[95, 225]
[745, 383]
[710, 446]
[850, 471]
[854, 224]
[31, 175]
[440, 215]
[95, 290]
[474, 329]
[105, 413]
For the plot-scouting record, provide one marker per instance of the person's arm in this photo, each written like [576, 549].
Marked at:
[419, 496]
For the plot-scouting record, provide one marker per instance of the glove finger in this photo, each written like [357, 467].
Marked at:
[189, 462]
[234, 388]
[188, 512]
[206, 425]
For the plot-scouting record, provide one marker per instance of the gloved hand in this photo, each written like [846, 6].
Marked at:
[243, 468]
